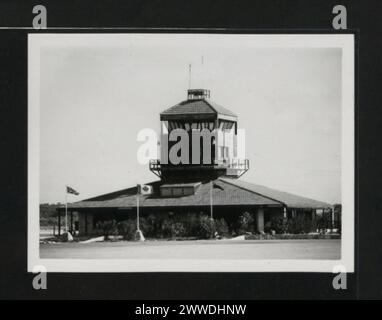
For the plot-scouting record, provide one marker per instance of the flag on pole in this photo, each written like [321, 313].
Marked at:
[72, 191]
[213, 185]
[141, 189]
[145, 189]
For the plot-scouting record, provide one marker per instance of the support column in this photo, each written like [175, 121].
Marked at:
[333, 218]
[81, 223]
[89, 223]
[71, 222]
[59, 222]
[86, 223]
[260, 220]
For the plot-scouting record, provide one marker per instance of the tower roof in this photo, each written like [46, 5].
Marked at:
[197, 104]
[199, 107]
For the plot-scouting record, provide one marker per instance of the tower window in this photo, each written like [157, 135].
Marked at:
[224, 152]
[178, 190]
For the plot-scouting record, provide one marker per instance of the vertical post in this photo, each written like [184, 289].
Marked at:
[86, 223]
[59, 223]
[189, 76]
[216, 140]
[313, 220]
[260, 219]
[138, 207]
[138, 212]
[66, 209]
[211, 201]
[71, 222]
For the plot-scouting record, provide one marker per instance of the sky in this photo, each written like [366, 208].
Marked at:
[95, 97]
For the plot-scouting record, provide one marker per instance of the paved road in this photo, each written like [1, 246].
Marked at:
[201, 249]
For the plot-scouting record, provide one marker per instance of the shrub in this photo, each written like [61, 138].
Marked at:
[222, 227]
[323, 222]
[295, 225]
[278, 224]
[108, 227]
[337, 216]
[146, 225]
[151, 226]
[246, 223]
[268, 227]
[127, 229]
[192, 225]
[207, 227]
[170, 228]
[178, 229]
[166, 228]
[299, 224]
[314, 225]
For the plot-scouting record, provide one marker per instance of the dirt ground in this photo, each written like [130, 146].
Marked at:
[199, 249]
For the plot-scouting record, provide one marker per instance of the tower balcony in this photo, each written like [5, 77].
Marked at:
[234, 167]
[223, 167]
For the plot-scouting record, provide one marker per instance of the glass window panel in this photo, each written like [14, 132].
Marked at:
[166, 192]
[177, 191]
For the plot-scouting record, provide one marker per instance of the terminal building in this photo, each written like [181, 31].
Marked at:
[203, 183]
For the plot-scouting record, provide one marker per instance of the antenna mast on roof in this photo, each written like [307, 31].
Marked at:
[189, 76]
[202, 71]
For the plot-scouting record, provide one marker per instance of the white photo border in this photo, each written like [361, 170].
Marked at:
[342, 41]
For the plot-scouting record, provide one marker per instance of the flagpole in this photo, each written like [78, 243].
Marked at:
[66, 209]
[211, 204]
[189, 76]
[138, 207]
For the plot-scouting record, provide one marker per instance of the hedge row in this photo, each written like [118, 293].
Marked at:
[203, 227]
[297, 225]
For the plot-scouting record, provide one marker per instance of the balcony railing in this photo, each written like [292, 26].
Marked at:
[155, 167]
[232, 163]
[234, 167]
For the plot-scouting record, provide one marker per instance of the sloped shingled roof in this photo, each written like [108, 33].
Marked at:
[227, 194]
[289, 199]
[231, 192]
[201, 106]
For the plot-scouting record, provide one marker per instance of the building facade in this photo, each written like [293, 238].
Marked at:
[199, 173]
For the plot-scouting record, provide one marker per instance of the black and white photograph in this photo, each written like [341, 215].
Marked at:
[191, 152]
[190, 158]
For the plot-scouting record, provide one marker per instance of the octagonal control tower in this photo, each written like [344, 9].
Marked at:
[213, 156]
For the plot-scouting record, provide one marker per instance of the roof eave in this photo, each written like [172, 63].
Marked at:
[187, 116]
